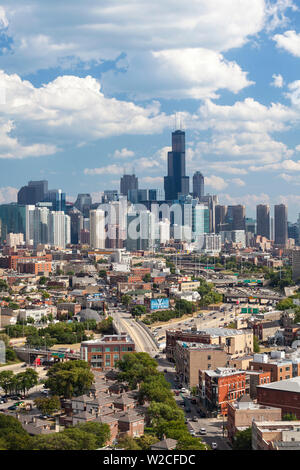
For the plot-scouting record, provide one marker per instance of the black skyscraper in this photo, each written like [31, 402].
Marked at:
[32, 193]
[176, 183]
[281, 227]
[198, 184]
[128, 182]
[263, 220]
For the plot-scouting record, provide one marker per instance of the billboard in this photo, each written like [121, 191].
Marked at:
[159, 304]
[95, 298]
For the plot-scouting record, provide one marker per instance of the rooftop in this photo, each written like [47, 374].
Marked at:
[289, 385]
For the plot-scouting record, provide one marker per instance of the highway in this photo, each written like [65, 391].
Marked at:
[142, 339]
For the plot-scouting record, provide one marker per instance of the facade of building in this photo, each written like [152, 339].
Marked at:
[192, 357]
[284, 394]
[280, 224]
[263, 220]
[220, 387]
[102, 354]
[198, 184]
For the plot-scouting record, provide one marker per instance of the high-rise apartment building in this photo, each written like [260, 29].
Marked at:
[263, 220]
[97, 228]
[280, 224]
[198, 184]
[59, 229]
[176, 183]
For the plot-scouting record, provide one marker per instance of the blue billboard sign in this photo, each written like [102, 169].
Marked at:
[159, 304]
[95, 298]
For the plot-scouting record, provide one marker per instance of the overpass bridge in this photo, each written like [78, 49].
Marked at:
[31, 353]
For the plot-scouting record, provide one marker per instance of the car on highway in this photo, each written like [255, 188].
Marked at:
[214, 445]
[202, 431]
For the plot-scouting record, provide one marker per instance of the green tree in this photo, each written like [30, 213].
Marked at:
[6, 380]
[146, 441]
[48, 405]
[100, 431]
[12, 434]
[136, 367]
[126, 300]
[289, 417]
[138, 310]
[68, 379]
[243, 440]
[147, 277]
[3, 285]
[128, 443]
[256, 347]
[27, 380]
[188, 442]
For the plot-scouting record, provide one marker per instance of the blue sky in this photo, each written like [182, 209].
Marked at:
[88, 89]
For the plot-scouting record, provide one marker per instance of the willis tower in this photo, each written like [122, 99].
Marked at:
[176, 183]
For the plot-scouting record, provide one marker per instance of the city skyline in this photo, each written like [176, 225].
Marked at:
[75, 103]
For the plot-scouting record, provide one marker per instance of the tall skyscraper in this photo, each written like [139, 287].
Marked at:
[198, 184]
[57, 199]
[127, 183]
[32, 193]
[83, 204]
[281, 219]
[239, 218]
[176, 183]
[97, 229]
[220, 218]
[263, 220]
[211, 201]
[76, 225]
[59, 229]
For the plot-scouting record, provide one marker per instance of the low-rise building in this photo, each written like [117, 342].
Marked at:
[192, 357]
[243, 411]
[276, 435]
[284, 394]
[103, 353]
[220, 387]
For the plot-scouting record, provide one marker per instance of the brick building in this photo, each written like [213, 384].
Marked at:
[234, 342]
[284, 394]
[242, 412]
[220, 387]
[276, 435]
[102, 354]
[281, 367]
[192, 357]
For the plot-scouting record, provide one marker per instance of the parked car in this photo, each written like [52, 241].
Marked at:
[183, 390]
[214, 445]
[12, 408]
[202, 431]
[195, 419]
